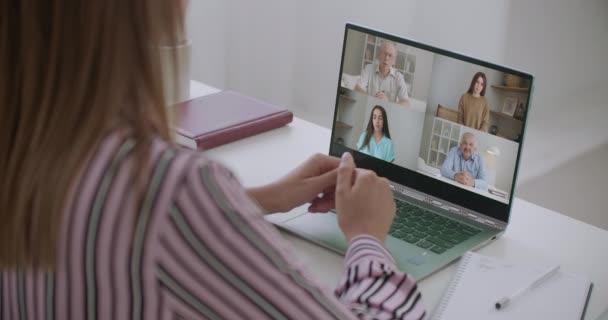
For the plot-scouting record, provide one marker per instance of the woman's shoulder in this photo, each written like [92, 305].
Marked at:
[187, 160]
[464, 98]
[190, 180]
[164, 159]
[123, 180]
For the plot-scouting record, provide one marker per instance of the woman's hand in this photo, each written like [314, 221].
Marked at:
[364, 201]
[312, 181]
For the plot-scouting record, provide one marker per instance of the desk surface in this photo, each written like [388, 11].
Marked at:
[472, 189]
[535, 235]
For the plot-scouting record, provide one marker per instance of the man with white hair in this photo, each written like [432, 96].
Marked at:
[382, 80]
[464, 165]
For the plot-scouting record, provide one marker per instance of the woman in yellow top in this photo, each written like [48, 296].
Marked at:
[473, 108]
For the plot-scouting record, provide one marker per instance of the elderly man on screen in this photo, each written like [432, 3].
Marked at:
[382, 80]
[464, 165]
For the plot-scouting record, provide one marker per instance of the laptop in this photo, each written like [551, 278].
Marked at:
[449, 141]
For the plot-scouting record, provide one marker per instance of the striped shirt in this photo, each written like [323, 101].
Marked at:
[197, 248]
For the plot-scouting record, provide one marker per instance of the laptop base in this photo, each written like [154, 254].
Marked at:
[419, 263]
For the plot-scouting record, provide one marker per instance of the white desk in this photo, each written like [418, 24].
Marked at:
[535, 235]
[472, 189]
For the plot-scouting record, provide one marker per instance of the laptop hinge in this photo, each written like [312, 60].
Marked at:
[448, 206]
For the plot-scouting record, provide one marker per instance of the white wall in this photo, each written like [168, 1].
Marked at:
[288, 52]
[476, 28]
[207, 27]
[564, 43]
[353, 52]
[422, 77]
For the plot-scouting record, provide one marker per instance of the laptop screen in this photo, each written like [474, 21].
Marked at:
[430, 119]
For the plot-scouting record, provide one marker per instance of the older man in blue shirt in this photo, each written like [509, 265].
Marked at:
[464, 165]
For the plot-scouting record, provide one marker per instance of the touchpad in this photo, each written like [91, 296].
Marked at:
[319, 227]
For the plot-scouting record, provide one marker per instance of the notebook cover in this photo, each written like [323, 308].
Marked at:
[226, 116]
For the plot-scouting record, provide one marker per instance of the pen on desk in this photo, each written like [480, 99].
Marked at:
[502, 303]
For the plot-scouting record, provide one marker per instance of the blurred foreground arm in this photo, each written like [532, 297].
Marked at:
[371, 285]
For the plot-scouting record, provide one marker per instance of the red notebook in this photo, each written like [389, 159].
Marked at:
[223, 117]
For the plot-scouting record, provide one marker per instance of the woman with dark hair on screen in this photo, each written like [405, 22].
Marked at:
[473, 109]
[376, 140]
[103, 216]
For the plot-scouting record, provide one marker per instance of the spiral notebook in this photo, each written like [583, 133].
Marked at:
[481, 281]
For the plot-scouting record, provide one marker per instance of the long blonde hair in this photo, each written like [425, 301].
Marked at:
[70, 71]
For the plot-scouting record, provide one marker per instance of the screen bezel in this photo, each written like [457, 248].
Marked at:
[420, 182]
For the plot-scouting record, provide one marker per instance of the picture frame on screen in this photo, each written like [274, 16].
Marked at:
[509, 106]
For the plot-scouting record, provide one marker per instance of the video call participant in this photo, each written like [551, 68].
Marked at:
[376, 140]
[464, 165]
[382, 80]
[473, 108]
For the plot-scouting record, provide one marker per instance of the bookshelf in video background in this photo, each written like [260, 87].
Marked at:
[405, 62]
[509, 126]
[445, 136]
[345, 119]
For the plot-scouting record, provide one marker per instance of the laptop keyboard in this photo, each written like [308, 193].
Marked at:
[428, 230]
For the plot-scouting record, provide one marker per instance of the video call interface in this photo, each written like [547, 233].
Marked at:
[451, 120]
